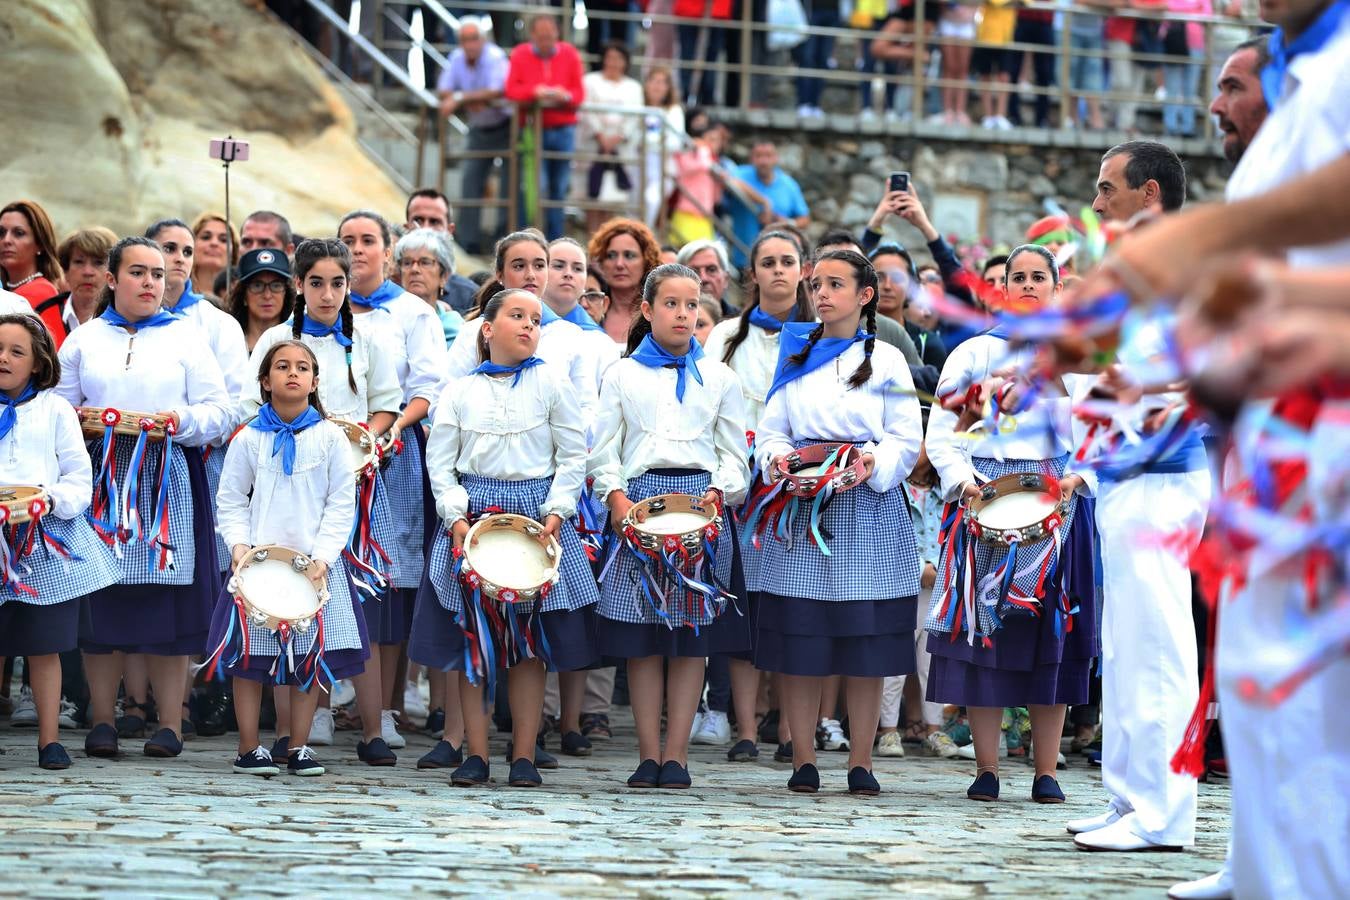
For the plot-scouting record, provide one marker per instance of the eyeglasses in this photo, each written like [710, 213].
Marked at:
[422, 262]
[271, 287]
[590, 297]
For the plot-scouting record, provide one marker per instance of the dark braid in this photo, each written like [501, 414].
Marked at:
[861, 374]
[347, 318]
[866, 277]
[812, 339]
[298, 320]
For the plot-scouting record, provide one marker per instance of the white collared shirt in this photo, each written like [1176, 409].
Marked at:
[411, 332]
[377, 388]
[46, 448]
[485, 426]
[755, 361]
[226, 339]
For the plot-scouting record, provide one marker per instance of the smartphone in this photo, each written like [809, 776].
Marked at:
[898, 181]
[229, 150]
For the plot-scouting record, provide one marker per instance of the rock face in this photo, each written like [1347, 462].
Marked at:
[111, 104]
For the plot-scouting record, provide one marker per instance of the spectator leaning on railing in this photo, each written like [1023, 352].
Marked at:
[780, 190]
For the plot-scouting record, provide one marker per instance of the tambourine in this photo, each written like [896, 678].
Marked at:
[504, 558]
[1024, 508]
[94, 421]
[21, 503]
[806, 471]
[271, 583]
[669, 521]
[365, 450]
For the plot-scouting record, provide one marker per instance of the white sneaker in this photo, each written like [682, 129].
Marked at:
[968, 751]
[25, 711]
[1092, 823]
[830, 736]
[939, 743]
[889, 744]
[1119, 838]
[696, 725]
[67, 717]
[321, 728]
[715, 729]
[1218, 886]
[804, 110]
[1160, 94]
[344, 692]
[389, 730]
[413, 702]
[1002, 123]
[868, 115]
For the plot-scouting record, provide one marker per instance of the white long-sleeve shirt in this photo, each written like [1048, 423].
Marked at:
[643, 426]
[1042, 432]
[168, 368]
[755, 361]
[410, 330]
[377, 387]
[226, 340]
[881, 418]
[311, 510]
[486, 427]
[46, 448]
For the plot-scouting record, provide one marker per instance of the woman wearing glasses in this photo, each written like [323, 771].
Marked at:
[424, 261]
[264, 294]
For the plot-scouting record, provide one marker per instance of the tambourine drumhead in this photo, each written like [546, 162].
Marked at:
[361, 444]
[653, 523]
[18, 499]
[673, 522]
[1017, 510]
[275, 588]
[1023, 507]
[504, 552]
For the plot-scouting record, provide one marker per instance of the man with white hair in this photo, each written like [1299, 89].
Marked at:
[471, 85]
[709, 260]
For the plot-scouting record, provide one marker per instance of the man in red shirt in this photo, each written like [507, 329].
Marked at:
[546, 73]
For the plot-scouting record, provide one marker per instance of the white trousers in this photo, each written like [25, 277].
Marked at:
[1149, 670]
[599, 691]
[893, 686]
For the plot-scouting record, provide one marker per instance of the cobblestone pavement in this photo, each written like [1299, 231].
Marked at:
[190, 827]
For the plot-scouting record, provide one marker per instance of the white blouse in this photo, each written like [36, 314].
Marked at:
[561, 344]
[755, 361]
[603, 92]
[377, 388]
[311, 510]
[168, 368]
[227, 343]
[411, 332]
[486, 427]
[46, 448]
[642, 426]
[1042, 431]
[881, 418]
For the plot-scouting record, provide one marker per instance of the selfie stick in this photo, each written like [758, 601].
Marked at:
[227, 155]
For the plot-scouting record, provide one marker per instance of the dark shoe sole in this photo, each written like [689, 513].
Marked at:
[1048, 799]
[642, 785]
[103, 752]
[524, 783]
[53, 767]
[468, 782]
[983, 798]
[154, 751]
[864, 792]
[803, 789]
[674, 787]
[380, 763]
[1158, 848]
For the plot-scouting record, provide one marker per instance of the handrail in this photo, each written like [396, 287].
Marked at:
[392, 69]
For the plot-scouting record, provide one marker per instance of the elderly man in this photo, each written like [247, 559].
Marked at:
[266, 229]
[1239, 106]
[471, 84]
[429, 208]
[1139, 176]
[709, 260]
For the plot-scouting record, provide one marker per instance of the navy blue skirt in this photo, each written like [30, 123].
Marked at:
[27, 629]
[729, 633]
[161, 619]
[860, 638]
[389, 618]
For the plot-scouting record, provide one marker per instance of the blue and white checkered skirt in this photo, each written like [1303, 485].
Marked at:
[621, 596]
[137, 559]
[988, 557]
[873, 555]
[214, 459]
[53, 576]
[409, 492]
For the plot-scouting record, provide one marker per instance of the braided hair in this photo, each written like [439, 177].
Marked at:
[642, 326]
[804, 310]
[866, 277]
[306, 255]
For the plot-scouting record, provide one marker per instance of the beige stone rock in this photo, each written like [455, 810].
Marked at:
[110, 105]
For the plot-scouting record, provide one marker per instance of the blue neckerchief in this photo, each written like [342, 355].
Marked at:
[1310, 41]
[382, 295]
[653, 355]
[548, 316]
[161, 317]
[491, 368]
[1000, 330]
[794, 339]
[10, 417]
[767, 322]
[580, 318]
[315, 328]
[189, 299]
[284, 442]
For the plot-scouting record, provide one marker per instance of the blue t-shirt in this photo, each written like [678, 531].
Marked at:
[785, 195]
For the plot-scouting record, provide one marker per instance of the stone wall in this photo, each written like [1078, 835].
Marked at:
[843, 178]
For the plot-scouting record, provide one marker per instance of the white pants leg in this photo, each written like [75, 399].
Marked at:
[1149, 669]
[599, 691]
[552, 699]
[931, 712]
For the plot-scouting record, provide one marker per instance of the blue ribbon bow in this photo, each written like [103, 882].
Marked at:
[491, 368]
[10, 416]
[379, 297]
[653, 355]
[284, 442]
[315, 328]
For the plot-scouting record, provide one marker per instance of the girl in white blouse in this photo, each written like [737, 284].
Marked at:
[136, 356]
[508, 437]
[851, 612]
[671, 421]
[41, 446]
[776, 293]
[411, 332]
[361, 386]
[287, 481]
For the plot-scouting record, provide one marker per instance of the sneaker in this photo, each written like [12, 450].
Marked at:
[68, 717]
[989, 122]
[413, 702]
[53, 757]
[804, 110]
[830, 736]
[435, 723]
[256, 762]
[1001, 123]
[344, 692]
[714, 730]
[321, 728]
[25, 710]
[696, 725]
[968, 751]
[890, 744]
[596, 726]
[304, 763]
[473, 773]
[375, 752]
[389, 730]
[523, 774]
[939, 744]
